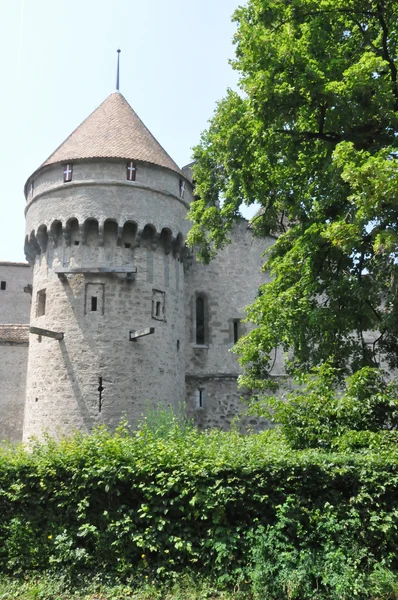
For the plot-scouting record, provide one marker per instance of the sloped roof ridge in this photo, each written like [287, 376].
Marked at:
[112, 130]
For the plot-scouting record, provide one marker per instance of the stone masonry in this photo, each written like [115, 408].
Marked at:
[105, 232]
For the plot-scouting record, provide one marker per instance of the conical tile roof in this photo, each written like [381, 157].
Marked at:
[113, 130]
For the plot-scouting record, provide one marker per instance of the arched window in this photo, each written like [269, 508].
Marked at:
[200, 320]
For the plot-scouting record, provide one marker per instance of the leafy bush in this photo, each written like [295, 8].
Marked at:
[316, 416]
[310, 553]
[160, 503]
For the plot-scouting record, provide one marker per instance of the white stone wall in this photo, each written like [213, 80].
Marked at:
[13, 361]
[14, 302]
[14, 309]
[99, 190]
[230, 282]
[64, 376]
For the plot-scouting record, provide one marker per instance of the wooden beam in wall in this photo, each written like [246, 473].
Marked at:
[134, 335]
[62, 272]
[56, 335]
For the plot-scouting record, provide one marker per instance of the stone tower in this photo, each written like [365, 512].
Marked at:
[105, 228]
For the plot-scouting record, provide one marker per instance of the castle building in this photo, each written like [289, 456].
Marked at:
[111, 314]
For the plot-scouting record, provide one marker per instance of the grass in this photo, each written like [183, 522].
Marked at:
[55, 588]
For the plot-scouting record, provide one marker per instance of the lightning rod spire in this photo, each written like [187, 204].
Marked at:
[117, 71]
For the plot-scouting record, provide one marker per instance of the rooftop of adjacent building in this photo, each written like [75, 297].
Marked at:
[14, 333]
[7, 263]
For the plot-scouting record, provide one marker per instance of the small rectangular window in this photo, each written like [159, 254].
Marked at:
[41, 303]
[94, 298]
[158, 305]
[236, 324]
[68, 170]
[200, 321]
[182, 188]
[131, 170]
[3, 286]
[200, 396]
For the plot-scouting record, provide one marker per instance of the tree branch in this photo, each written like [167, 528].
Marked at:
[378, 317]
[386, 54]
[333, 138]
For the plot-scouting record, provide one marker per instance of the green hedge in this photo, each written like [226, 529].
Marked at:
[215, 503]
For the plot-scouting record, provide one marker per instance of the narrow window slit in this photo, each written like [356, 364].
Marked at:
[200, 398]
[236, 330]
[41, 303]
[3, 285]
[100, 390]
[200, 321]
[94, 298]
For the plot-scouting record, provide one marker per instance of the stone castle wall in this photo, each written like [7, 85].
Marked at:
[228, 284]
[15, 298]
[13, 364]
[95, 374]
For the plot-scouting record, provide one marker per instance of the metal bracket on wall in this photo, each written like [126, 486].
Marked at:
[134, 335]
[56, 335]
[129, 271]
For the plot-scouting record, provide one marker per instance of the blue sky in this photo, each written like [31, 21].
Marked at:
[58, 63]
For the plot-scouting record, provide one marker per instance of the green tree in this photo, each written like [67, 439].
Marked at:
[363, 414]
[312, 136]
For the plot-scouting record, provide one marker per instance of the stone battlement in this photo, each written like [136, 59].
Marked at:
[128, 235]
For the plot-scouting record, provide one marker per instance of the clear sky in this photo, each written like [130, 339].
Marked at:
[58, 63]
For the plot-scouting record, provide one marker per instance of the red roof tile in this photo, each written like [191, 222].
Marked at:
[18, 334]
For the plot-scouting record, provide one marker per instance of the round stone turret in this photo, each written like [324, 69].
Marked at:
[105, 230]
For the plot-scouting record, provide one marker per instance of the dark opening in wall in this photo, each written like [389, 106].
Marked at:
[100, 390]
[56, 233]
[200, 398]
[129, 234]
[236, 330]
[178, 345]
[158, 305]
[94, 298]
[3, 285]
[72, 233]
[41, 303]
[200, 320]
